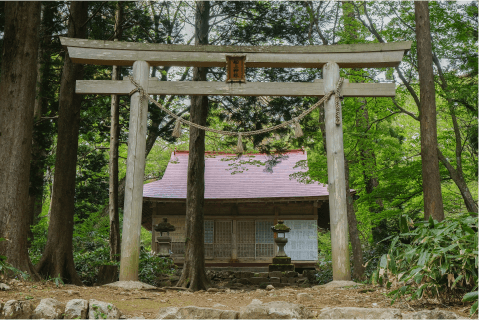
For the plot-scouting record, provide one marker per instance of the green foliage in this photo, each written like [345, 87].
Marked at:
[57, 281]
[324, 245]
[91, 250]
[432, 259]
[325, 272]
[152, 267]
[39, 231]
[281, 227]
[325, 266]
[91, 179]
[91, 247]
[145, 239]
[371, 255]
[97, 313]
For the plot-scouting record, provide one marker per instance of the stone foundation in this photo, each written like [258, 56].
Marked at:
[257, 279]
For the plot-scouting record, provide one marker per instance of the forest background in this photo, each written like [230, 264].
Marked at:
[381, 135]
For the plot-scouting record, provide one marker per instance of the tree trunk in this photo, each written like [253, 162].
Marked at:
[39, 142]
[431, 179]
[17, 92]
[114, 239]
[358, 270]
[456, 173]
[194, 273]
[57, 259]
[458, 178]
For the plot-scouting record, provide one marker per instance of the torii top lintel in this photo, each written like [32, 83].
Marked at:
[363, 55]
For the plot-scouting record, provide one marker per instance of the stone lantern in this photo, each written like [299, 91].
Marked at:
[164, 241]
[281, 262]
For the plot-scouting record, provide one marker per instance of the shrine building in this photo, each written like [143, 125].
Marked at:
[243, 198]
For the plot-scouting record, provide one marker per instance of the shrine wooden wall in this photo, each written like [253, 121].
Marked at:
[248, 212]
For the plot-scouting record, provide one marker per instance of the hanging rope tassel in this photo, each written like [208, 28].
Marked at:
[298, 132]
[177, 130]
[239, 147]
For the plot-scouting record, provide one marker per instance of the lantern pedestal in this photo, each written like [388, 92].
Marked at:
[164, 246]
[280, 267]
[281, 260]
[281, 242]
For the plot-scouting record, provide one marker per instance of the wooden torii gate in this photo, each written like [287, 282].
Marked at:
[144, 55]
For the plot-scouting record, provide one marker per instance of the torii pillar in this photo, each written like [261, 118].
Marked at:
[135, 169]
[336, 179]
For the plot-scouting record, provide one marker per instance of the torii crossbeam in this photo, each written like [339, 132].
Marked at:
[144, 55]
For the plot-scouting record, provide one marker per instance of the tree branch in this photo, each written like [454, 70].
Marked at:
[404, 110]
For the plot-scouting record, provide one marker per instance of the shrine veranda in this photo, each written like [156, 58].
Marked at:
[142, 56]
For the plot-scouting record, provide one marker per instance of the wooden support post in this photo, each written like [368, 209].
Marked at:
[135, 169]
[153, 234]
[234, 243]
[336, 180]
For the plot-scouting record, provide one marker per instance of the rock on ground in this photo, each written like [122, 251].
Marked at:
[131, 285]
[338, 284]
[269, 287]
[48, 309]
[274, 310]
[72, 292]
[304, 297]
[432, 314]
[76, 309]
[100, 310]
[192, 312]
[15, 309]
[4, 287]
[167, 313]
[360, 313]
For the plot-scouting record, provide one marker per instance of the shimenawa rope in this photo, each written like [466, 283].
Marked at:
[295, 121]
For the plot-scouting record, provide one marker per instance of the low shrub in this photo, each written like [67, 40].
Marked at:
[153, 267]
[324, 244]
[324, 272]
[432, 259]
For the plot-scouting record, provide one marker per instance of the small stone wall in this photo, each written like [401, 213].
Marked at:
[237, 279]
[53, 309]
[258, 279]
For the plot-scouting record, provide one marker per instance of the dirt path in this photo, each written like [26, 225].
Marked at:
[136, 303]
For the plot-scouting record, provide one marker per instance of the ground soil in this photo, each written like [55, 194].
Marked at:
[146, 303]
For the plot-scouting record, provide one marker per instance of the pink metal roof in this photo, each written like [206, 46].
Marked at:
[220, 183]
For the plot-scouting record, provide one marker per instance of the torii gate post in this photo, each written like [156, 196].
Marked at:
[330, 58]
[338, 217]
[135, 170]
